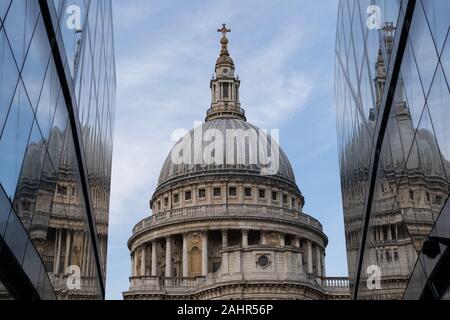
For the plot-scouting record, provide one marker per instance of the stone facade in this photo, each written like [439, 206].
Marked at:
[226, 231]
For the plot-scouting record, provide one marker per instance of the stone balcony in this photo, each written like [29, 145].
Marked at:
[226, 211]
[153, 284]
[335, 282]
[337, 286]
[187, 286]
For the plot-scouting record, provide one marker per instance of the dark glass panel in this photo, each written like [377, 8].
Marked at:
[5, 209]
[4, 293]
[15, 237]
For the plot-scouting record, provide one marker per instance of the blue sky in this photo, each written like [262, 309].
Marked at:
[165, 55]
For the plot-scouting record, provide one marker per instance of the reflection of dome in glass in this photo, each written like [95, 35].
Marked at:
[404, 147]
[171, 171]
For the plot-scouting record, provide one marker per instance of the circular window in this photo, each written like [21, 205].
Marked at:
[263, 261]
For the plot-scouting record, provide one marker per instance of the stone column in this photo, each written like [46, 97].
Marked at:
[58, 252]
[319, 261]
[84, 254]
[132, 264]
[143, 264]
[168, 257]
[66, 257]
[224, 239]
[282, 240]
[244, 238]
[297, 242]
[310, 257]
[324, 273]
[205, 254]
[154, 262]
[263, 238]
[300, 262]
[88, 259]
[185, 256]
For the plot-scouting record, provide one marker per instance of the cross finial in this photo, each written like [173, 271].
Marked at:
[224, 30]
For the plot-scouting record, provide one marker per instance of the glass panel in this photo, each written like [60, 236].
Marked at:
[51, 93]
[36, 63]
[14, 140]
[19, 25]
[73, 17]
[412, 178]
[423, 47]
[437, 13]
[445, 60]
[9, 76]
[40, 170]
[15, 237]
[28, 183]
[5, 209]
[4, 5]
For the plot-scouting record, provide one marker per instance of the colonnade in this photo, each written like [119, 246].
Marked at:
[314, 265]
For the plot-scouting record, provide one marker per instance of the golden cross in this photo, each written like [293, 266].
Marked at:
[224, 30]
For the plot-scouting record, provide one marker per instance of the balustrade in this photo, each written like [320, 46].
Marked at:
[335, 282]
[225, 210]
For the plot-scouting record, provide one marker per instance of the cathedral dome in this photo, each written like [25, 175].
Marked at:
[173, 172]
[227, 213]
[241, 149]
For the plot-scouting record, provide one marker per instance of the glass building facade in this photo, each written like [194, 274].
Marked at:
[57, 102]
[393, 113]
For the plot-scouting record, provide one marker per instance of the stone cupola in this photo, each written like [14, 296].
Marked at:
[225, 86]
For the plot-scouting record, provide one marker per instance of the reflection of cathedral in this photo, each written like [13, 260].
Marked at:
[52, 209]
[224, 231]
[410, 191]
[56, 134]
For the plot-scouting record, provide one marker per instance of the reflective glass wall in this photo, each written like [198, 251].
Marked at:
[393, 109]
[57, 102]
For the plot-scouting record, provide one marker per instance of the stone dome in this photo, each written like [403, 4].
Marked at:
[227, 215]
[173, 172]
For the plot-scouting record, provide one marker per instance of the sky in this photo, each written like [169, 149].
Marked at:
[165, 56]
